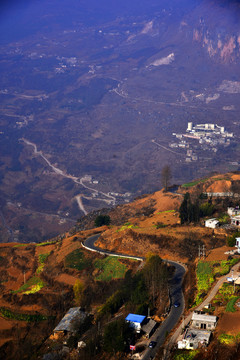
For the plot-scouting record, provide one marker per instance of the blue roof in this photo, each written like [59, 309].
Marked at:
[135, 318]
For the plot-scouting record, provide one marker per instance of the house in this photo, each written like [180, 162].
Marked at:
[212, 223]
[136, 321]
[149, 328]
[235, 220]
[238, 244]
[233, 211]
[204, 321]
[193, 339]
[69, 323]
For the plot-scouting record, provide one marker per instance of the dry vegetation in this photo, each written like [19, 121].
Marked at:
[149, 225]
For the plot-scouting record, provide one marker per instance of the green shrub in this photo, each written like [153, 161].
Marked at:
[231, 240]
[226, 339]
[102, 220]
[223, 219]
[185, 355]
[206, 209]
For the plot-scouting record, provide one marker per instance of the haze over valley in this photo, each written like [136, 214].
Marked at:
[96, 98]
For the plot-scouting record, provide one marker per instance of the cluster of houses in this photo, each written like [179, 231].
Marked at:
[75, 317]
[201, 136]
[234, 214]
[198, 334]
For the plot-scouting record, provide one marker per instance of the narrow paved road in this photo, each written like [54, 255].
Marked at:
[107, 198]
[208, 299]
[89, 244]
[175, 294]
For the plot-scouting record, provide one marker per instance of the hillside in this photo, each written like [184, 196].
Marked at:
[37, 280]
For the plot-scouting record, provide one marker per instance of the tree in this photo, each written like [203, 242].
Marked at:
[102, 220]
[231, 240]
[116, 335]
[78, 289]
[166, 175]
[156, 276]
[189, 212]
[184, 208]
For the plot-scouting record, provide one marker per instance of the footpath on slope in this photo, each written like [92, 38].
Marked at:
[206, 301]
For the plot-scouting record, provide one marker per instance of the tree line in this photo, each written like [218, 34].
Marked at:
[192, 211]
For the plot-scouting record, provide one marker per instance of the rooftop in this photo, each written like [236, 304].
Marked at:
[135, 318]
[204, 317]
[67, 322]
[147, 328]
[197, 335]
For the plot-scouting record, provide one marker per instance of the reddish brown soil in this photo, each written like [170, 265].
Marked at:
[229, 323]
[218, 254]
[171, 241]
[67, 279]
[219, 186]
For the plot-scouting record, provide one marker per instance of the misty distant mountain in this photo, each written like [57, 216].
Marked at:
[96, 97]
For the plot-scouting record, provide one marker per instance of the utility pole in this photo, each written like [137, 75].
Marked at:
[203, 251]
[199, 251]
[183, 323]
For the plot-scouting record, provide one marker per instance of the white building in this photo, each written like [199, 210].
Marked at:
[212, 223]
[193, 339]
[233, 211]
[238, 244]
[204, 321]
[136, 321]
[235, 220]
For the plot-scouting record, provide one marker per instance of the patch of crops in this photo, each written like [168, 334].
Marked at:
[45, 243]
[185, 355]
[8, 314]
[206, 272]
[230, 305]
[32, 286]
[42, 259]
[127, 226]
[77, 260]
[228, 339]
[193, 183]
[110, 268]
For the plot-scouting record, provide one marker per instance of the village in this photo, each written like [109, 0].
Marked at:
[194, 332]
[205, 137]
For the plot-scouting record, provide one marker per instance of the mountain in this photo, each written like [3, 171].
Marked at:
[96, 98]
[38, 281]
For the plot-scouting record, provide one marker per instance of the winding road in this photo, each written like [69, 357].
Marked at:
[175, 294]
[109, 199]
